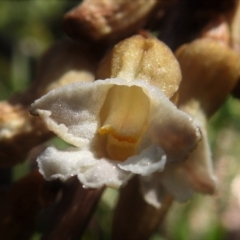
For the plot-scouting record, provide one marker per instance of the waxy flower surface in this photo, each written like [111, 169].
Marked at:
[117, 128]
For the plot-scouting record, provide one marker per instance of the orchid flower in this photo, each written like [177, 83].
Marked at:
[117, 128]
[120, 126]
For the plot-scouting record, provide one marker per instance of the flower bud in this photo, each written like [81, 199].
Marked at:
[142, 58]
[107, 21]
[210, 70]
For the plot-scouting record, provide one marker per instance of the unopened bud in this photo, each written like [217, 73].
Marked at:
[142, 58]
[210, 70]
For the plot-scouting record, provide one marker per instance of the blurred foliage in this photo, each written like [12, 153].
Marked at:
[27, 28]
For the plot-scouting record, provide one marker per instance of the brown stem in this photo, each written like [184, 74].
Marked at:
[134, 218]
[20, 204]
[72, 213]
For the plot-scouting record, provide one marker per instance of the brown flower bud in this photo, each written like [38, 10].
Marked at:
[142, 58]
[109, 20]
[210, 70]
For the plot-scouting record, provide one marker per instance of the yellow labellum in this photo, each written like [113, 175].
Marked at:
[123, 117]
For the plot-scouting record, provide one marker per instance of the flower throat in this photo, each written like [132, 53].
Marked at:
[124, 116]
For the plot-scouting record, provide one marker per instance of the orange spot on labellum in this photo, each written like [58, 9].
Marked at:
[120, 138]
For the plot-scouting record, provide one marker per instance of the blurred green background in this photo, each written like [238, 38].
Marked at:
[27, 29]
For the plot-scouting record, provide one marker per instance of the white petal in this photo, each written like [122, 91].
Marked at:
[105, 172]
[196, 173]
[199, 163]
[148, 161]
[200, 169]
[92, 173]
[54, 163]
[171, 128]
[175, 180]
[174, 131]
[152, 190]
[72, 111]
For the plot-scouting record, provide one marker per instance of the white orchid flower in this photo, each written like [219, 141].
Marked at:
[117, 128]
